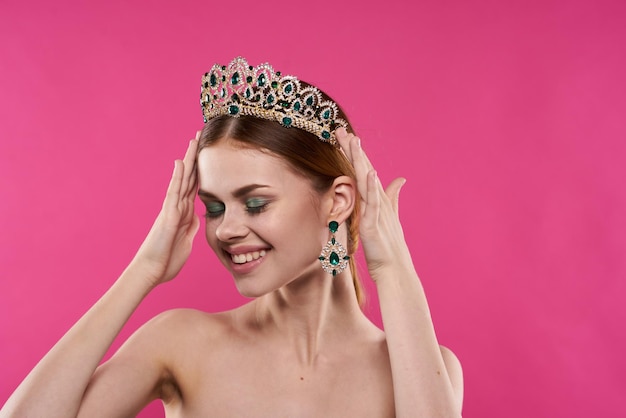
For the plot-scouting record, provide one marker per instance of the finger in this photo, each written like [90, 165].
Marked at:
[342, 137]
[189, 167]
[172, 195]
[393, 192]
[372, 208]
[361, 168]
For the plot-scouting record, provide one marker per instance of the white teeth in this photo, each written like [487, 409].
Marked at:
[247, 257]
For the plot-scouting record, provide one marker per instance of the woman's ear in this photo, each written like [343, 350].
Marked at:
[342, 194]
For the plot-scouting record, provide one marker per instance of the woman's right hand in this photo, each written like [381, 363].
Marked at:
[168, 244]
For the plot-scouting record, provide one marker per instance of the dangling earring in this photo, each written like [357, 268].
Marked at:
[334, 257]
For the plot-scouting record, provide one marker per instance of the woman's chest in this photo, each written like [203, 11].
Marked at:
[257, 384]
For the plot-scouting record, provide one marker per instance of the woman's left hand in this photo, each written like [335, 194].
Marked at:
[381, 233]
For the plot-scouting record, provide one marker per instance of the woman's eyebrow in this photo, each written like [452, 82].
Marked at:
[240, 192]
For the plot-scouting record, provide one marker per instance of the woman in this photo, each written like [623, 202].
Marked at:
[287, 190]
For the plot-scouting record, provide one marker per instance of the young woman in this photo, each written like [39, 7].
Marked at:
[287, 190]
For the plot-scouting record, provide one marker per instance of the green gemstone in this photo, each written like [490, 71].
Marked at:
[213, 80]
[249, 79]
[233, 110]
[326, 114]
[248, 93]
[223, 93]
[297, 106]
[288, 88]
[325, 134]
[287, 121]
[274, 84]
[309, 101]
[332, 241]
[235, 78]
[270, 99]
[333, 226]
[334, 259]
[261, 80]
[223, 78]
[277, 73]
[321, 258]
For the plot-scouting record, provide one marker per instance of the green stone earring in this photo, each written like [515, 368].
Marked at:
[334, 257]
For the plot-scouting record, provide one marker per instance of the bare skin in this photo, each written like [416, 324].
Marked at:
[301, 348]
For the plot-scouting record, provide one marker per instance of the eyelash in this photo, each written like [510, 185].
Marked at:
[252, 210]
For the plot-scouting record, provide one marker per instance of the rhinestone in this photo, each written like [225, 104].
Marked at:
[287, 121]
[334, 259]
[213, 80]
[235, 78]
[233, 109]
[325, 134]
[333, 226]
[261, 80]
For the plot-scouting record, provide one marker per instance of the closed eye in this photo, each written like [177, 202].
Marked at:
[256, 205]
[214, 209]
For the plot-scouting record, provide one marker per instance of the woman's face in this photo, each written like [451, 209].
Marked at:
[263, 221]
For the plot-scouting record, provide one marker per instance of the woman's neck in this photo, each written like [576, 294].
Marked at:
[312, 314]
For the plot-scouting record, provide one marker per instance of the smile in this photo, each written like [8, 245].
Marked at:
[247, 257]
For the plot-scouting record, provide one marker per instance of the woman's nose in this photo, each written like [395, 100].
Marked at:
[231, 227]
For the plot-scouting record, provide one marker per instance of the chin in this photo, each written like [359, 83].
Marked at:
[249, 290]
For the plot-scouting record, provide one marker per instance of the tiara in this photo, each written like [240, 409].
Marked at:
[241, 89]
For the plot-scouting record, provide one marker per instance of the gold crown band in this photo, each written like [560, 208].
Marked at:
[241, 89]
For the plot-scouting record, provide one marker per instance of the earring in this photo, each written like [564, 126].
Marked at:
[334, 257]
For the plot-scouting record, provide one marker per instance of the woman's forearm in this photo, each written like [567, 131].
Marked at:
[422, 384]
[55, 387]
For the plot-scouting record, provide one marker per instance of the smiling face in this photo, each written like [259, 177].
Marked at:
[263, 220]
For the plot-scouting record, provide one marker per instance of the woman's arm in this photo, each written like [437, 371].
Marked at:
[427, 378]
[57, 385]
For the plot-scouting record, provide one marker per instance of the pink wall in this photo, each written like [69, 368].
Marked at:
[507, 118]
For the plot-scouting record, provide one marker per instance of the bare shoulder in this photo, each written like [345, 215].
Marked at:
[175, 330]
[455, 372]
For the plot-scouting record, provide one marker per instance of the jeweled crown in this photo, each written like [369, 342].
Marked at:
[241, 89]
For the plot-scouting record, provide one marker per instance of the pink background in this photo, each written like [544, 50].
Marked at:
[507, 118]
